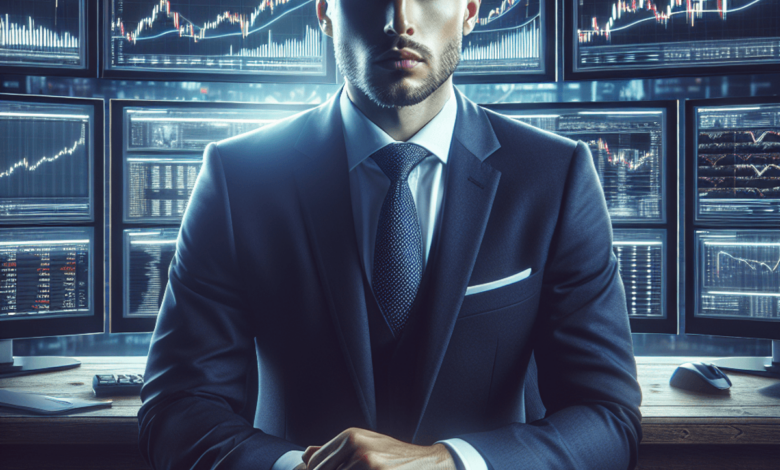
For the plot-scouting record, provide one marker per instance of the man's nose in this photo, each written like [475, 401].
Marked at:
[398, 18]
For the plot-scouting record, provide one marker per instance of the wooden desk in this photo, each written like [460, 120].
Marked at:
[682, 430]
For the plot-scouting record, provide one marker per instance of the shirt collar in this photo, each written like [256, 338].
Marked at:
[362, 137]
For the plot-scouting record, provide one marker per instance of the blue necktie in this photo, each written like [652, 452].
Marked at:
[398, 251]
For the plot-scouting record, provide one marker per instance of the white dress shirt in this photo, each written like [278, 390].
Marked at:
[368, 186]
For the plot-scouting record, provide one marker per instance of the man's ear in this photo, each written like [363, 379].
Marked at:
[326, 25]
[470, 16]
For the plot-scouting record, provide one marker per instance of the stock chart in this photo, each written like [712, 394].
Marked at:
[739, 274]
[738, 163]
[42, 33]
[628, 151]
[507, 38]
[616, 34]
[216, 36]
[44, 162]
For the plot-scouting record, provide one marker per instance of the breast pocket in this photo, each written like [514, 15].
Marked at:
[501, 297]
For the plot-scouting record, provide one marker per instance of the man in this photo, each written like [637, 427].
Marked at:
[370, 260]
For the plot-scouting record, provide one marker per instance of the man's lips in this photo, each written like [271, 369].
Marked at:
[404, 59]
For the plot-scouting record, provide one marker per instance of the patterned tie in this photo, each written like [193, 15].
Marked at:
[398, 251]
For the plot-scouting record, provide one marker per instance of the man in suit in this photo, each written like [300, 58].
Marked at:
[362, 286]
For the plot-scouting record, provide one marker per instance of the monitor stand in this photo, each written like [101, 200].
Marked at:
[763, 366]
[11, 366]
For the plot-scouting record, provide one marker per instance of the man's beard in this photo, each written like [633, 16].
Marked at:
[398, 95]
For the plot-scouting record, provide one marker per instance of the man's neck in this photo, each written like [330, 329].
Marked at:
[402, 123]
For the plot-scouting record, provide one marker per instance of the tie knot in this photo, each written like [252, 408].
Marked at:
[398, 160]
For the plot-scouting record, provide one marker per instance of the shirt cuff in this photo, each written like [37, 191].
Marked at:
[465, 455]
[289, 461]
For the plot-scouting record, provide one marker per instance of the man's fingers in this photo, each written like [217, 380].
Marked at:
[309, 452]
[334, 453]
[333, 461]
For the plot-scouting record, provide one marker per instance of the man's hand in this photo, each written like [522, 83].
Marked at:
[360, 449]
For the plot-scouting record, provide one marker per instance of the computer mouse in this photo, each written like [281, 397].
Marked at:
[700, 377]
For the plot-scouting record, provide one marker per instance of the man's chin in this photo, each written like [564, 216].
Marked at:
[400, 93]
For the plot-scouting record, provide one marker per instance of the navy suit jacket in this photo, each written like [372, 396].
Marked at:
[262, 342]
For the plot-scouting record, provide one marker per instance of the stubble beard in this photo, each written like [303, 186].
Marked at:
[397, 94]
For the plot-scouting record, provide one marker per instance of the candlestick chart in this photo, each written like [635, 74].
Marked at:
[740, 273]
[614, 34]
[42, 33]
[738, 163]
[628, 151]
[508, 37]
[44, 164]
[217, 36]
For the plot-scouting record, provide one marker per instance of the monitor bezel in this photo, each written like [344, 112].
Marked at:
[549, 57]
[569, 58]
[729, 327]
[90, 70]
[118, 323]
[37, 327]
[669, 324]
[329, 77]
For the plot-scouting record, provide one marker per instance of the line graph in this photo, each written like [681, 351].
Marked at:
[25, 165]
[257, 36]
[42, 32]
[44, 163]
[740, 273]
[676, 33]
[738, 163]
[507, 37]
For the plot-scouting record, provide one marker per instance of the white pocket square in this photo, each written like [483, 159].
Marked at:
[499, 283]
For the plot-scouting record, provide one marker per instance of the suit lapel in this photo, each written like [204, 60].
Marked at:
[323, 184]
[470, 189]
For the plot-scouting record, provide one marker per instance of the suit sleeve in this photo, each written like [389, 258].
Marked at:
[583, 348]
[202, 359]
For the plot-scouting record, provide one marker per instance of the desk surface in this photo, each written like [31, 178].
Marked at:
[749, 415]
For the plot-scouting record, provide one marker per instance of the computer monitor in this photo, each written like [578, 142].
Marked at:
[157, 151]
[608, 39]
[51, 223]
[634, 149]
[512, 41]
[49, 37]
[732, 232]
[216, 40]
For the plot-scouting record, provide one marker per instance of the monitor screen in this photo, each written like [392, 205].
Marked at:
[46, 272]
[163, 153]
[628, 148]
[46, 159]
[738, 163]
[737, 274]
[651, 37]
[147, 255]
[43, 33]
[509, 37]
[641, 255]
[216, 37]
